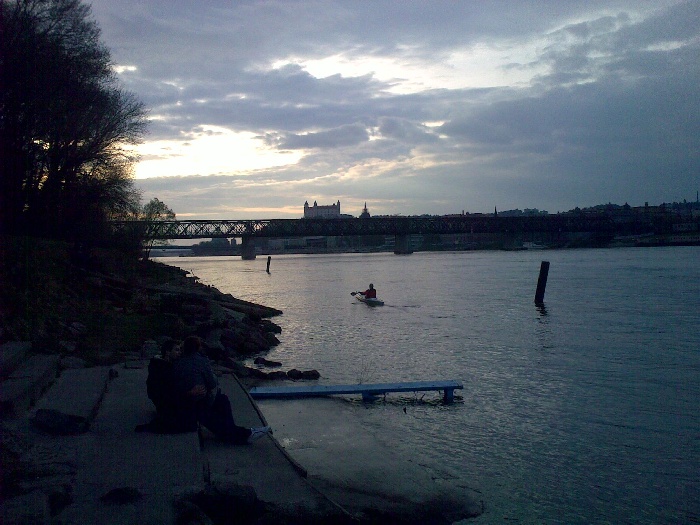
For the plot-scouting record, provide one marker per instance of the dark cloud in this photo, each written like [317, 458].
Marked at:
[334, 138]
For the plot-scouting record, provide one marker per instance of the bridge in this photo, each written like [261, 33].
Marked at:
[400, 227]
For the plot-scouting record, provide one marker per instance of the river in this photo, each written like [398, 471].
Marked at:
[585, 410]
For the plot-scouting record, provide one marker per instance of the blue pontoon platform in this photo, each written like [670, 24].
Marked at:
[368, 391]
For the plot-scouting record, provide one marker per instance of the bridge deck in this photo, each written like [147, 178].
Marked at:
[368, 391]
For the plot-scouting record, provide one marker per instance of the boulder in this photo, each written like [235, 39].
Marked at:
[294, 374]
[268, 326]
[271, 339]
[254, 372]
[310, 374]
[265, 362]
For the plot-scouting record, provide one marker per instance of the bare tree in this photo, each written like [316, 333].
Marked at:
[64, 121]
[155, 210]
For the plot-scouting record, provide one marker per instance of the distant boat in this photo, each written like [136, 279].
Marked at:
[533, 246]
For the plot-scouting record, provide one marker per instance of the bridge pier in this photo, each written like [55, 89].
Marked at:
[247, 248]
[402, 244]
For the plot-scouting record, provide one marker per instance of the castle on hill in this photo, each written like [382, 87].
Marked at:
[331, 211]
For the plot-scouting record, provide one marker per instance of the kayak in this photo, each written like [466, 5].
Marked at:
[369, 301]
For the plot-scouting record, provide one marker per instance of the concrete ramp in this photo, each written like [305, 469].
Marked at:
[265, 466]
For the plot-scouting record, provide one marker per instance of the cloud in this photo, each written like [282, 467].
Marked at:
[414, 107]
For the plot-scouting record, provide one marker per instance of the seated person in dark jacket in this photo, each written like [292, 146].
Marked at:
[160, 389]
[196, 389]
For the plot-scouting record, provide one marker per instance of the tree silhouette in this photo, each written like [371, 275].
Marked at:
[64, 122]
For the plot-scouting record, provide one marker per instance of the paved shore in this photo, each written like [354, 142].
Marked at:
[110, 474]
[113, 475]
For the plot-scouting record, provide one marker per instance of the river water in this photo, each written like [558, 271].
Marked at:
[584, 411]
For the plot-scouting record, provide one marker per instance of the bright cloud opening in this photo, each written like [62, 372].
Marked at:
[211, 150]
[477, 66]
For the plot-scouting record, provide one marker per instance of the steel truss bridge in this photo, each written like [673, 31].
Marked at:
[281, 228]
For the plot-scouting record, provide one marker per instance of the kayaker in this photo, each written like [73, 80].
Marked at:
[370, 293]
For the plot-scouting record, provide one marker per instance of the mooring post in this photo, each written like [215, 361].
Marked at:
[542, 282]
[269, 258]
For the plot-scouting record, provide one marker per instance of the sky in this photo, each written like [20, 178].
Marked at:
[412, 107]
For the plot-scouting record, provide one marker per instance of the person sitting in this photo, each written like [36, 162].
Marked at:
[370, 293]
[200, 399]
[159, 386]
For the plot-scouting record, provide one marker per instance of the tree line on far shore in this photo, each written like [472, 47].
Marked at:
[66, 126]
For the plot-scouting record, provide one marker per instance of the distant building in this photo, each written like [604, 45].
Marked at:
[365, 213]
[321, 212]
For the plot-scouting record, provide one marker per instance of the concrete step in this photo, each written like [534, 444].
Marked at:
[11, 356]
[25, 385]
[74, 398]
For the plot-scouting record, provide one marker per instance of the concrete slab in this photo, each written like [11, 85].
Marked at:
[77, 392]
[156, 468]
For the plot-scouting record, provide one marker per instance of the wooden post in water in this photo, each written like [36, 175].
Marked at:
[269, 258]
[542, 282]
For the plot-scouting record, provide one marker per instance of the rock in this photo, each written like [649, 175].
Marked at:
[258, 341]
[67, 347]
[249, 347]
[121, 495]
[149, 349]
[254, 372]
[59, 498]
[310, 374]
[212, 344]
[28, 509]
[59, 424]
[196, 311]
[12, 354]
[294, 374]
[222, 499]
[269, 326]
[233, 340]
[265, 362]
[190, 514]
[77, 328]
[272, 339]
[131, 356]
[72, 362]
[277, 375]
